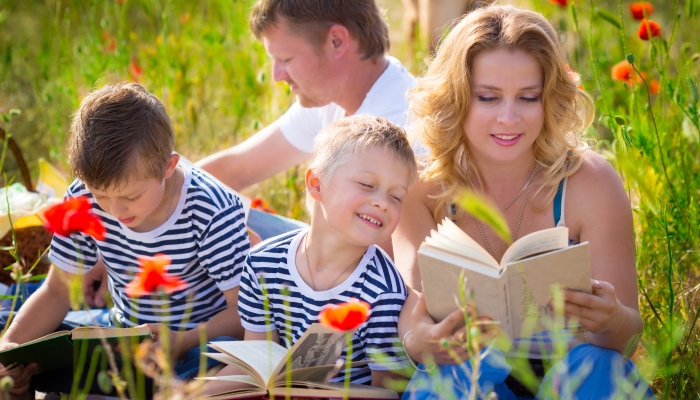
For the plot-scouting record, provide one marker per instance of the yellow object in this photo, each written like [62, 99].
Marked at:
[51, 182]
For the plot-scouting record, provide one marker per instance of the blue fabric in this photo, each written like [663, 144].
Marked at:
[557, 202]
[270, 225]
[188, 367]
[587, 372]
[26, 290]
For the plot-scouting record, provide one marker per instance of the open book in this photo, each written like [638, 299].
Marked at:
[516, 290]
[313, 360]
[55, 350]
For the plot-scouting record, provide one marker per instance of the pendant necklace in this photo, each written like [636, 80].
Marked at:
[311, 275]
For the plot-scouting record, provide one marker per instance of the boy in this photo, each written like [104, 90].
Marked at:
[361, 172]
[121, 152]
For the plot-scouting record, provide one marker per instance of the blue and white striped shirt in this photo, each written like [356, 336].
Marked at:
[271, 267]
[205, 238]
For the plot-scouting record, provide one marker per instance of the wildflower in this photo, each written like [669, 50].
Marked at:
[135, 69]
[184, 18]
[624, 72]
[648, 26]
[74, 215]
[640, 10]
[110, 42]
[346, 316]
[654, 86]
[574, 76]
[559, 2]
[153, 277]
[261, 204]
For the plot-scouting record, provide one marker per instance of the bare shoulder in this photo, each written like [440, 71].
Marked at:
[595, 193]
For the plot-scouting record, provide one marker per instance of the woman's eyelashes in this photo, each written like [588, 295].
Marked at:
[492, 99]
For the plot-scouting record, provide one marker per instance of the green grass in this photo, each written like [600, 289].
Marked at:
[214, 78]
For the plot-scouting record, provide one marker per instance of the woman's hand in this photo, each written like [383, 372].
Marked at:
[425, 342]
[606, 319]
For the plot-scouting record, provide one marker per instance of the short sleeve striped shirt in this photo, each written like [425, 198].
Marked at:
[205, 238]
[271, 267]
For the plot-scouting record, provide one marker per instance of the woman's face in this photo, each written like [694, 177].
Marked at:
[505, 111]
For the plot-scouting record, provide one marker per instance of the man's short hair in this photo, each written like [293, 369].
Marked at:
[313, 19]
[120, 131]
[343, 139]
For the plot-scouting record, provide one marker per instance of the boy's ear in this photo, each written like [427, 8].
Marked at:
[172, 163]
[313, 185]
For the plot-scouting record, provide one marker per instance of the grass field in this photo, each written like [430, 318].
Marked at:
[214, 78]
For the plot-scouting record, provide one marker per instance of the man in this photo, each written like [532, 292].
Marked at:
[333, 56]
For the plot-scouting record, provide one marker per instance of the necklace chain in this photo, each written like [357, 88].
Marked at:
[528, 186]
[311, 275]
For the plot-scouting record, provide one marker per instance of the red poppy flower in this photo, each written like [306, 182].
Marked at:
[110, 42]
[559, 2]
[135, 70]
[153, 277]
[648, 26]
[654, 86]
[622, 71]
[346, 316]
[261, 204]
[74, 215]
[640, 10]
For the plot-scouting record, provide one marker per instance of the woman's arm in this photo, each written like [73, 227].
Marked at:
[415, 224]
[599, 210]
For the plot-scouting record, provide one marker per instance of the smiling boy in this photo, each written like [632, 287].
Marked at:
[361, 171]
[121, 152]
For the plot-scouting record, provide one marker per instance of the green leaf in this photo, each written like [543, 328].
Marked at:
[36, 278]
[483, 210]
[15, 111]
[5, 117]
[574, 17]
[6, 297]
[620, 120]
[608, 16]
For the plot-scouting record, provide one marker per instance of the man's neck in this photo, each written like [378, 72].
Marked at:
[362, 76]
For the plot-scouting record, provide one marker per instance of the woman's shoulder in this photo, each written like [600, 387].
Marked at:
[595, 190]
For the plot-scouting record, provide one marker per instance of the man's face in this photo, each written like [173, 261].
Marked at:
[304, 67]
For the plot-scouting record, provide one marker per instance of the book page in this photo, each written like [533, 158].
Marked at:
[535, 243]
[455, 233]
[440, 272]
[262, 356]
[318, 346]
[530, 281]
[436, 239]
[312, 374]
[335, 390]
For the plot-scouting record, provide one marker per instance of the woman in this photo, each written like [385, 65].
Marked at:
[501, 114]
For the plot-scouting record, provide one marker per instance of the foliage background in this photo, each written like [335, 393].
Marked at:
[214, 79]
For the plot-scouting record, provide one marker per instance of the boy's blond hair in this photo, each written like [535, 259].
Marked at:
[342, 139]
[120, 131]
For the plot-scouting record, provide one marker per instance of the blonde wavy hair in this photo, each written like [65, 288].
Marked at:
[440, 101]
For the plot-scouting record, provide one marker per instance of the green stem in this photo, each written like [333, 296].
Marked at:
[348, 362]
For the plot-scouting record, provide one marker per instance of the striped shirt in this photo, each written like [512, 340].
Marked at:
[270, 268]
[205, 238]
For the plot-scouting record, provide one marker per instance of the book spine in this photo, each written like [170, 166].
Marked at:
[505, 304]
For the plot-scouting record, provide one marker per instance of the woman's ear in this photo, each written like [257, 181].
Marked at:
[172, 164]
[313, 184]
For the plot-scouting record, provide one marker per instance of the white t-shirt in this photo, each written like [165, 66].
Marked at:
[386, 98]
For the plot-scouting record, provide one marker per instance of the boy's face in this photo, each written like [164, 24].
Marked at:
[141, 202]
[363, 198]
